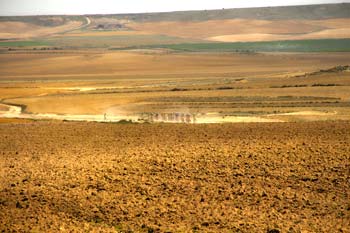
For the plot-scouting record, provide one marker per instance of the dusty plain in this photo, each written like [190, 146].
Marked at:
[217, 87]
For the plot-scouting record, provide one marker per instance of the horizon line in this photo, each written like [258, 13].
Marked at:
[159, 12]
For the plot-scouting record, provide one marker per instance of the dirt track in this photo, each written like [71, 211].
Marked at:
[293, 177]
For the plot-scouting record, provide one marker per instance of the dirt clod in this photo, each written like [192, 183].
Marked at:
[175, 178]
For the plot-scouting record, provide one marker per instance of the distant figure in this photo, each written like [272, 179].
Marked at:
[164, 117]
[105, 116]
[188, 118]
[171, 117]
[177, 117]
[183, 118]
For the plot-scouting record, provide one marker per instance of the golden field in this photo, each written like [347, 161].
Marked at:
[234, 30]
[128, 84]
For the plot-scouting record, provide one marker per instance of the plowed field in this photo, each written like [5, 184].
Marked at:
[287, 177]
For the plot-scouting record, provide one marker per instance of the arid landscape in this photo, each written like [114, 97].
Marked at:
[61, 176]
[231, 120]
[216, 87]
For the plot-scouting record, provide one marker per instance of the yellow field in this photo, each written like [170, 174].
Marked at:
[128, 84]
[20, 30]
[116, 64]
[250, 30]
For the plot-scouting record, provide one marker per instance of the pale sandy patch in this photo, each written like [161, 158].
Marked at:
[109, 33]
[20, 30]
[212, 28]
[306, 113]
[232, 119]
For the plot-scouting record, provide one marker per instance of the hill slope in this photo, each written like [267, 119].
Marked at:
[310, 12]
[308, 22]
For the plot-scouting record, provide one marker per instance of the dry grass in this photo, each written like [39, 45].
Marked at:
[219, 27]
[77, 65]
[324, 34]
[249, 30]
[105, 33]
[130, 83]
[20, 30]
[14, 121]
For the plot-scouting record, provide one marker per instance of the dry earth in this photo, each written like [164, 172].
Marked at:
[234, 30]
[228, 30]
[238, 88]
[70, 65]
[291, 177]
[127, 84]
[21, 30]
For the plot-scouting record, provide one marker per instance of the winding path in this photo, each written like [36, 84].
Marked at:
[88, 22]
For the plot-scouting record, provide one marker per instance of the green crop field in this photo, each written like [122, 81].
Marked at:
[26, 43]
[325, 45]
[114, 41]
[123, 42]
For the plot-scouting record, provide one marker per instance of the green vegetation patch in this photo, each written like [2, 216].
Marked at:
[324, 45]
[26, 43]
[116, 41]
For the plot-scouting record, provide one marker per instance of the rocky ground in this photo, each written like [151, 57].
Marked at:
[95, 177]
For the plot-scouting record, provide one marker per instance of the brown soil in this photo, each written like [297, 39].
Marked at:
[249, 29]
[291, 177]
[115, 64]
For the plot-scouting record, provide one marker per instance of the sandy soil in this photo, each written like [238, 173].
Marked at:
[324, 34]
[236, 87]
[4, 107]
[291, 177]
[107, 33]
[113, 116]
[20, 30]
[327, 29]
[217, 27]
[249, 30]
